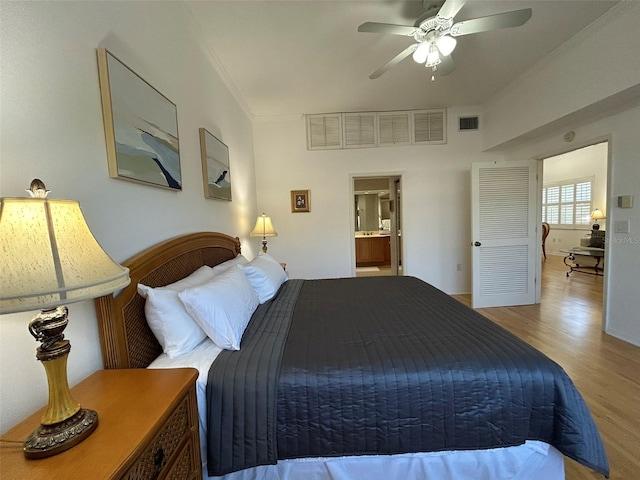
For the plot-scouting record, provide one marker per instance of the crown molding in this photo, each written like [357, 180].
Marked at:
[193, 26]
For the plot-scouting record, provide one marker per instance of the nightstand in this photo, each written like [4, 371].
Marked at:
[148, 429]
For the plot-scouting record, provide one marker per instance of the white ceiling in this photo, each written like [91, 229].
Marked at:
[305, 56]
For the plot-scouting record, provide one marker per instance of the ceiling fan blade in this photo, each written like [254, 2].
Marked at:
[492, 22]
[394, 61]
[373, 27]
[450, 8]
[446, 65]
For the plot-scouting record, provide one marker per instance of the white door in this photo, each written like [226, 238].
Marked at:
[504, 234]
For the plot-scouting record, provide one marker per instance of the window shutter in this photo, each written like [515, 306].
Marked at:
[568, 202]
[324, 132]
[394, 128]
[359, 130]
[429, 126]
[376, 129]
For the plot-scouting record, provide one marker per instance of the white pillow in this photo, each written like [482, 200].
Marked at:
[266, 275]
[201, 275]
[175, 330]
[224, 266]
[222, 307]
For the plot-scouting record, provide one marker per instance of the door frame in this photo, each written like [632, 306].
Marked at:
[561, 151]
[352, 206]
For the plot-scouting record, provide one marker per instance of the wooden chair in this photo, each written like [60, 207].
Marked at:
[545, 234]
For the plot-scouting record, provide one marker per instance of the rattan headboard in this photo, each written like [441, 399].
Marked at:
[125, 337]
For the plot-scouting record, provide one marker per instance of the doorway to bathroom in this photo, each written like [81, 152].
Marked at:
[377, 232]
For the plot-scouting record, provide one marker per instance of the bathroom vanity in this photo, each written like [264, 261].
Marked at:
[373, 249]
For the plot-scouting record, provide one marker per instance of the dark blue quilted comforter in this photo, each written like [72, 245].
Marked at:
[385, 365]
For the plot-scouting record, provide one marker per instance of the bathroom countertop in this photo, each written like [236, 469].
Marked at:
[373, 234]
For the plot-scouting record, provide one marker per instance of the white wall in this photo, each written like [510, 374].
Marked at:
[584, 162]
[51, 128]
[435, 200]
[593, 66]
[578, 76]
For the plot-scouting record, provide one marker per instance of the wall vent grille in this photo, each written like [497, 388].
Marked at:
[468, 123]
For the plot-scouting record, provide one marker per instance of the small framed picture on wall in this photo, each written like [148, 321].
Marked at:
[215, 167]
[300, 201]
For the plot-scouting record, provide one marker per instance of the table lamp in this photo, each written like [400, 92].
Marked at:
[597, 215]
[264, 228]
[49, 257]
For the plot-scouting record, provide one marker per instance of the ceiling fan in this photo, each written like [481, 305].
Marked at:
[434, 33]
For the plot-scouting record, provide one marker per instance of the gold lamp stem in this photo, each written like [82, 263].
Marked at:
[64, 423]
[61, 405]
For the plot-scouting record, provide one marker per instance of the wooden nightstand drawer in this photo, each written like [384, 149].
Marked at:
[148, 430]
[183, 467]
[152, 462]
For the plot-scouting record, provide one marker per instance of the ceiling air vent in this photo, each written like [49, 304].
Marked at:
[468, 123]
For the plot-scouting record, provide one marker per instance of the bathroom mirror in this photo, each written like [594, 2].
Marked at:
[367, 212]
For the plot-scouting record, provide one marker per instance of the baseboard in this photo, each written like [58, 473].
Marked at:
[619, 336]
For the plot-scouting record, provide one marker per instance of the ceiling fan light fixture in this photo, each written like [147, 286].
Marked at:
[438, 32]
[433, 58]
[421, 53]
[446, 44]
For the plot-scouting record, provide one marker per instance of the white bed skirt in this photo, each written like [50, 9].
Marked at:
[531, 461]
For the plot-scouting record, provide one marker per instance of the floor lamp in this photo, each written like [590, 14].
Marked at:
[48, 258]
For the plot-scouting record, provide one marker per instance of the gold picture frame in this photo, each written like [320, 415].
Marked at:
[141, 127]
[216, 172]
[300, 201]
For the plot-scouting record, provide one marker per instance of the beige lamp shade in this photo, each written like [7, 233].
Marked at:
[597, 214]
[264, 227]
[48, 256]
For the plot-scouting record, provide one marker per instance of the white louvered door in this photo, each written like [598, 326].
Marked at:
[504, 235]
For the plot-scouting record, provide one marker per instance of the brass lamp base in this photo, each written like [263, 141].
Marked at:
[64, 423]
[49, 440]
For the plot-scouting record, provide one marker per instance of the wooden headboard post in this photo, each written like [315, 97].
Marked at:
[125, 338]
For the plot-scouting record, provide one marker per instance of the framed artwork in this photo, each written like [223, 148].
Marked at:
[216, 173]
[300, 201]
[141, 127]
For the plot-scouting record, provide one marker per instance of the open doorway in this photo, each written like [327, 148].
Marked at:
[377, 227]
[574, 204]
[574, 185]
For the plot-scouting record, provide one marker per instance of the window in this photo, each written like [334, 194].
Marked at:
[567, 203]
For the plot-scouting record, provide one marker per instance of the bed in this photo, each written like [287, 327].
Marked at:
[358, 378]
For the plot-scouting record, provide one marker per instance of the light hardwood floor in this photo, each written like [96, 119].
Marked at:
[566, 326]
